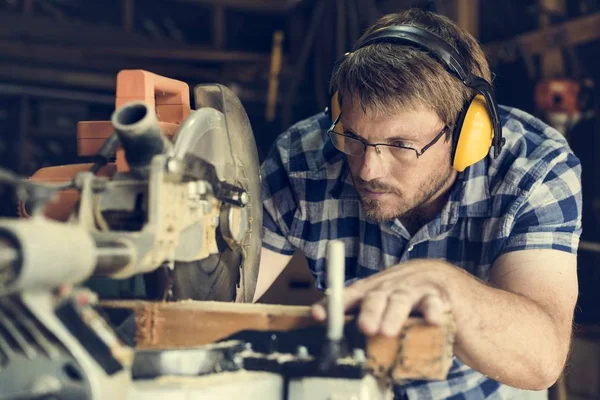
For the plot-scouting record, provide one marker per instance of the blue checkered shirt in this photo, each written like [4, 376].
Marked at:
[527, 198]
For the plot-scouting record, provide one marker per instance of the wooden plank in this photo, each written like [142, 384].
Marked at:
[421, 351]
[274, 76]
[575, 32]
[74, 57]
[36, 28]
[101, 41]
[180, 54]
[449, 8]
[60, 94]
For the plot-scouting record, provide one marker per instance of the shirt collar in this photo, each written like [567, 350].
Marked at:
[472, 191]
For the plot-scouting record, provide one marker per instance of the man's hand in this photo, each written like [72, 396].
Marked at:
[516, 328]
[387, 298]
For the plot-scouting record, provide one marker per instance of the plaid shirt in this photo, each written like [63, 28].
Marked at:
[527, 198]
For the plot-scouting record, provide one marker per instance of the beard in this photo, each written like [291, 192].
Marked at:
[398, 204]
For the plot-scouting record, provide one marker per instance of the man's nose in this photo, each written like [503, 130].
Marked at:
[373, 164]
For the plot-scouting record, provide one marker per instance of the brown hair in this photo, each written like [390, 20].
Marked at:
[386, 77]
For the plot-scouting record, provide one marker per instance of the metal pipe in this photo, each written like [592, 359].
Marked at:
[139, 132]
[46, 256]
[335, 290]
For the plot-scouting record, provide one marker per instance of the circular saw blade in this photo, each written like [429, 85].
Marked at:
[235, 158]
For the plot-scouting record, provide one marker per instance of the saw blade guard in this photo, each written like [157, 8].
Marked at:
[220, 133]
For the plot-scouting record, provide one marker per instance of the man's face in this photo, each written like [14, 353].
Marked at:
[391, 184]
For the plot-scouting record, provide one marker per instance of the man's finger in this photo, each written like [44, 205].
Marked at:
[353, 295]
[318, 311]
[433, 308]
[352, 298]
[398, 309]
[371, 311]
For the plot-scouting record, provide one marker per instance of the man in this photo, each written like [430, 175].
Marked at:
[495, 245]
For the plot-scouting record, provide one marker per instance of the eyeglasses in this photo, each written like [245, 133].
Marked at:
[357, 147]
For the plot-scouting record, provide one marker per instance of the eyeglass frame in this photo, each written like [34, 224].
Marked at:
[419, 153]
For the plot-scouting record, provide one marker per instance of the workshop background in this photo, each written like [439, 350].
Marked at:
[59, 60]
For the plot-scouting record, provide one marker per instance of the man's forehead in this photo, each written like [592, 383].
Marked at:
[408, 123]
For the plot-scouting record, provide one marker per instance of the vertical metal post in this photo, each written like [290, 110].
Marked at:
[335, 290]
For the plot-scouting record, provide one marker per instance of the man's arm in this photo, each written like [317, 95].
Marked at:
[515, 330]
[518, 329]
[271, 266]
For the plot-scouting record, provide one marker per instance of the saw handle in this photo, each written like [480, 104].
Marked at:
[156, 90]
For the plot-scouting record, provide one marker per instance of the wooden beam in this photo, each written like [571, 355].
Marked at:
[172, 54]
[549, 8]
[218, 27]
[464, 12]
[552, 61]
[468, 16]
[128, 15]
[575, 32]
[69, 78]
[263, 6]
[181, 54]
[421, 351]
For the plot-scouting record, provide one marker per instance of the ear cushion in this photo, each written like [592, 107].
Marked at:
[474, 133]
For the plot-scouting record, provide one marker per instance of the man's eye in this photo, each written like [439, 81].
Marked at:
[398, 144]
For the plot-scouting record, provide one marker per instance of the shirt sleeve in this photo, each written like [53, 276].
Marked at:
[550, 217]
[279, 203]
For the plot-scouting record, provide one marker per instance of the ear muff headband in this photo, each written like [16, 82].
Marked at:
[447, 56]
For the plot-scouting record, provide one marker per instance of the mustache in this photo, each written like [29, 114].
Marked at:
[374, 186]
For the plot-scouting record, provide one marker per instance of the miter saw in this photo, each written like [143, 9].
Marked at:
[197, 206]
[189, 206]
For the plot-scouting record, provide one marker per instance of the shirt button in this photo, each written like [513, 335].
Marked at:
[410, 248]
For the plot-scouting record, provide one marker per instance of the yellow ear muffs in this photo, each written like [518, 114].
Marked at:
[475, 135]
